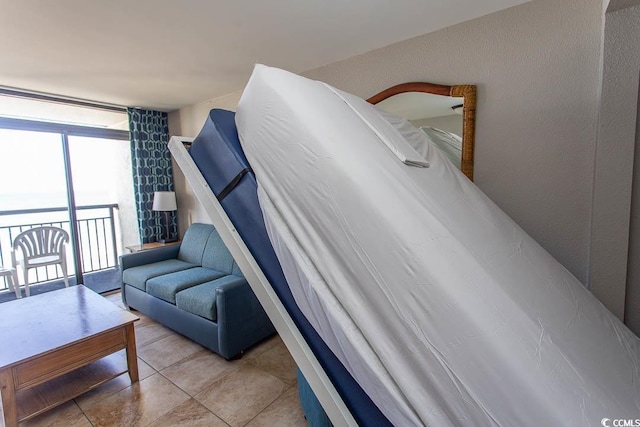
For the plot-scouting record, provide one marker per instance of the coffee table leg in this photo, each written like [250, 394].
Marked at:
[8, 398]
[132, 355]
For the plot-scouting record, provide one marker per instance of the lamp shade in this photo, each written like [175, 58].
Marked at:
[164, 201]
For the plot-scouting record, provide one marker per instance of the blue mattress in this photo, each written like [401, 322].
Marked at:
[218, 155]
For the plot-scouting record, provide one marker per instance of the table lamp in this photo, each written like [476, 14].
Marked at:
[165, 201]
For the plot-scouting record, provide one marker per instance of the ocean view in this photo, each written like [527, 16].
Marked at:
[96, 226]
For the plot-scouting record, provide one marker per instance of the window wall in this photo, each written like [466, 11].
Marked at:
[74, 177]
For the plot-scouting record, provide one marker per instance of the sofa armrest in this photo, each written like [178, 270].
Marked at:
[149, 256]
[241, 319]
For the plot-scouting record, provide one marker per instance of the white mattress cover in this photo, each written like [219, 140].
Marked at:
[442, 308]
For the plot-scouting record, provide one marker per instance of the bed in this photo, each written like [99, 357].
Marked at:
[404, 294]
[218, 171]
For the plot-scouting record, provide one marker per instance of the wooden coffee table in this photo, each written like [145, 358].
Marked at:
[58, 345]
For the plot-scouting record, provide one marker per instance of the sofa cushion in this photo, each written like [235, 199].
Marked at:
[194, 242]
[166, 286]
[216, 255]
[201, 299]
[138, 276]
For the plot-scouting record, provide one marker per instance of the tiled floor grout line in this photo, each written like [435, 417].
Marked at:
[191, 396]
[83, 413]
[208, 385]
[270, 404]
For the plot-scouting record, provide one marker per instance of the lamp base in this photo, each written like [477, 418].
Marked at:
[166, 230]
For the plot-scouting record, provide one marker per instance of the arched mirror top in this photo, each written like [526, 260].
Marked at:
[446, 114]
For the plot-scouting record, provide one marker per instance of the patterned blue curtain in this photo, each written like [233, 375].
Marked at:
[151, 162]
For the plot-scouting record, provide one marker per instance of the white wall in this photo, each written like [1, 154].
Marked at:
[632, 314]
[189, 120]
[614, 155]
[618, 138]
[537, 70]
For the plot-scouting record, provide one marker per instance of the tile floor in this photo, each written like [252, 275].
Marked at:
[184, 384]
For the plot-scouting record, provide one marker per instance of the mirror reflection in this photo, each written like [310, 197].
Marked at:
[445, 114]
[438, 117]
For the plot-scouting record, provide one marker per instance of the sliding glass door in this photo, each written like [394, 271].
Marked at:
[104, 206]
[73, 177]
[33, 191]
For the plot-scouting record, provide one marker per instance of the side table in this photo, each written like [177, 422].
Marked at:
[152, 245]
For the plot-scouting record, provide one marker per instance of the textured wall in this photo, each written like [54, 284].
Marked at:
[632, 314]
[537, 70]
[619, 135]
[189, 120]
[614, 156]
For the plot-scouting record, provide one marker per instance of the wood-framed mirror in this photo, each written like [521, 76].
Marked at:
[446, 114]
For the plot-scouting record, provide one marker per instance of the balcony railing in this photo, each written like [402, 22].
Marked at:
[97, 235]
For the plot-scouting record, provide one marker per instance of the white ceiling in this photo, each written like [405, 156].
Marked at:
[165, 54]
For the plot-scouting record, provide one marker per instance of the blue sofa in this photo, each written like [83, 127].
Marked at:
[198, 290]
